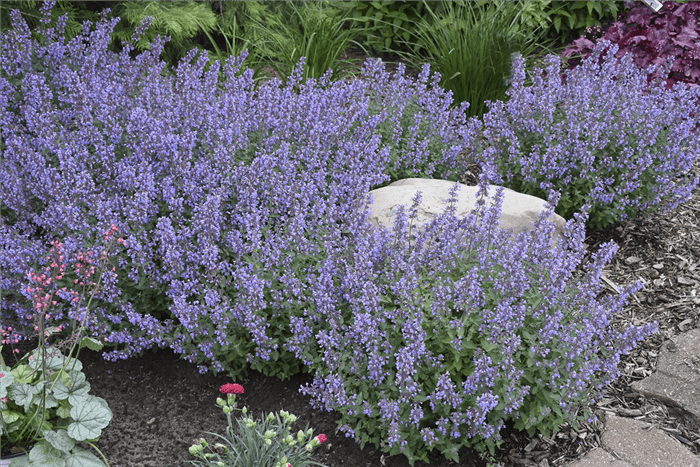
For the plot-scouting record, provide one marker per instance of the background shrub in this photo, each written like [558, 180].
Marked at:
[471, 45]
[386, 25]
[563, 21]
[603, 136]
[320, 31]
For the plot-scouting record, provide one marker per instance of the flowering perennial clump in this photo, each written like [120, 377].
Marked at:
[603, 136]
[225, 196]
[244, 215]
[267, 442]
[445, 344]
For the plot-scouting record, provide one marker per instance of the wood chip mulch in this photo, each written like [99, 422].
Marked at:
[663, 252]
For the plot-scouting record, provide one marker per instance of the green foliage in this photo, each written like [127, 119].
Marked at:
[471, 45]
[384, 22]
[562, 20]
[182, 21]
[77, 12]
[319, 31]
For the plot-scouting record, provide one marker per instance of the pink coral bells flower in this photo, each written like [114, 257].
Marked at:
[231, 389]
[322, 438]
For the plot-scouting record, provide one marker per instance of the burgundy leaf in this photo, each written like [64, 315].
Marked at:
[687, 38]
[579, 45]
[694, 73]
[640, 16]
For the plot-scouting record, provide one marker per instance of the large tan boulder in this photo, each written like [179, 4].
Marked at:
[519, 211]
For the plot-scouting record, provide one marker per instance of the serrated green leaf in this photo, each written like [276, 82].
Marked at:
[82, 458]
[78, 387]
[59, 440]
[89, 419]
[41, 455]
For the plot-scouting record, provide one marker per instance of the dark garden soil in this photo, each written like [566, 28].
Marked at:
[161, 404]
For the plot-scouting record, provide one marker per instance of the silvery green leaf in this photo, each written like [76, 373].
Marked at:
[90, 343]
[50, 401]
[54, 359]
[89, 417]
[59, 440]
[79, 387]
[41, 455]
[6, 380]
[70, 365]
[23, 394]
[82, 458]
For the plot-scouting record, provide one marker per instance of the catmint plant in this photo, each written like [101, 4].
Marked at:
[228, 196]
[441, 343]
[244, 216]
[601, 134]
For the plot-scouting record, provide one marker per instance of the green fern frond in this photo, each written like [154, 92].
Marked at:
[180, 20]
[30, 11]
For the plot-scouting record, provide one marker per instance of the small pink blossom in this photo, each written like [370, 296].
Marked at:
[231, 389]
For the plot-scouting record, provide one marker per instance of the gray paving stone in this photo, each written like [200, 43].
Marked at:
[599, 457]
[676, 380]
[641, 446]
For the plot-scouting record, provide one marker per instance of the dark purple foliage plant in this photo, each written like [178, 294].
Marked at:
[601, 135]
[654, 38]
[244, 214]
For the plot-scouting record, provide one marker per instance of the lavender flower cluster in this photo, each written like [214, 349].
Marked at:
[225, 195]
[448, 341]
[599, 135]
[247, 241]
